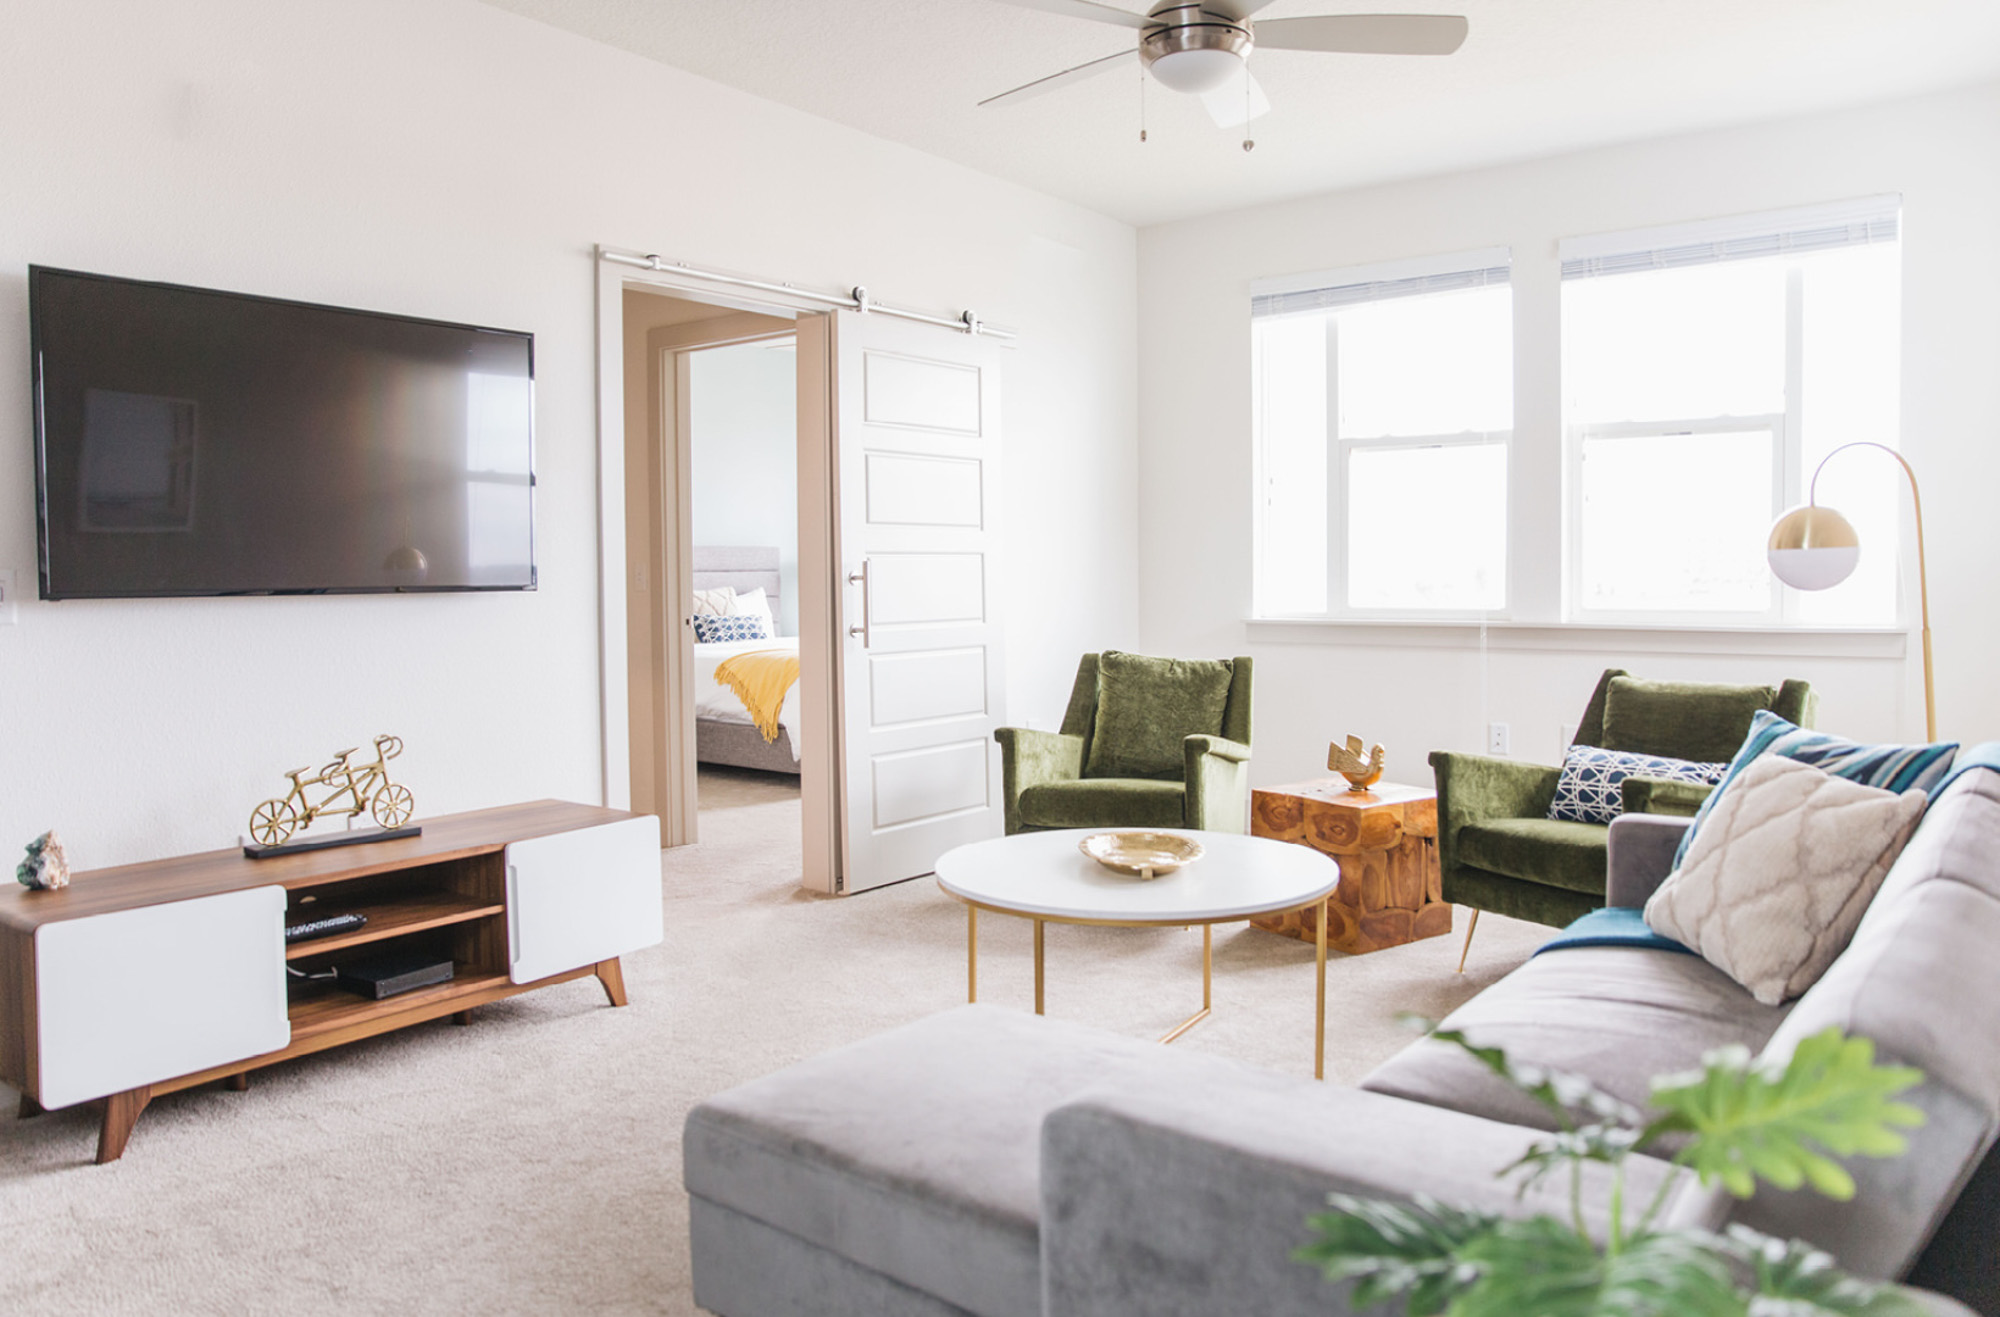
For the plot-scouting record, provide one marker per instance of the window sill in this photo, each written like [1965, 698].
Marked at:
[1454, 633]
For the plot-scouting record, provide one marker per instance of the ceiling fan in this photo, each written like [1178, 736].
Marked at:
[1199, 46]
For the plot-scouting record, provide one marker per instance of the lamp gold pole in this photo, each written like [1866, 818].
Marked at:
[1814, 548]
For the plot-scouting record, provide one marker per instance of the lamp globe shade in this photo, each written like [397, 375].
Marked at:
[1812, 548]
[1197, 71]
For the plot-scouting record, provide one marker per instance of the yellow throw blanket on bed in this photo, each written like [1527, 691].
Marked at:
[760, 679]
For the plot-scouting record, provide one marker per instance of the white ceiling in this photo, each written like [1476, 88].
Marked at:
[1535, 77]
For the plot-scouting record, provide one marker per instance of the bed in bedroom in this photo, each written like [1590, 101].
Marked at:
[725, 730]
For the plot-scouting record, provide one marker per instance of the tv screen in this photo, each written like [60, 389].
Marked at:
[193, 442]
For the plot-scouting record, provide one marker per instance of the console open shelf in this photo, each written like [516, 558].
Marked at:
[391, 917]
[327, 1009]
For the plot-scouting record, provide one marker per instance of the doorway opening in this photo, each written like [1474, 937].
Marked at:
[740, 428]
[712, 521]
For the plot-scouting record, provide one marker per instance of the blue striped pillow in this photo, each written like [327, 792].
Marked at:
[709, 629]
[1897, 768]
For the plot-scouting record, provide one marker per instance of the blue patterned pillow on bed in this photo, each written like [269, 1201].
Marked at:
[1592, 786]
[730, 626]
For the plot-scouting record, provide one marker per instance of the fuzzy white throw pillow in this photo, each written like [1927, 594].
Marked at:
[1775, 883]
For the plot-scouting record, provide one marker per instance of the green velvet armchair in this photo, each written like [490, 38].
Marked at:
[1499, 851]
[1145, 743]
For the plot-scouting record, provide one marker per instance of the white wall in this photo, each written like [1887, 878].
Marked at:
[1418, 690]
[442, 158]
[744, 456]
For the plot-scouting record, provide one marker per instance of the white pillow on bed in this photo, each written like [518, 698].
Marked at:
[719, 602]
[754, 603]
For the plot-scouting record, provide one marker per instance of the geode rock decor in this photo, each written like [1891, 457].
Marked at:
[46, 867]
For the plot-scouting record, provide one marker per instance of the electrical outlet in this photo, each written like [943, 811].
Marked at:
[7, 579]
[1496, 738]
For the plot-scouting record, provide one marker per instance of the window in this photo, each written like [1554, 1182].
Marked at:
[1707, 370]
[1383, 414]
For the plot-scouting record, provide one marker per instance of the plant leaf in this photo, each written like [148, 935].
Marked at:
[1543, 1267]
[1589, 1143]
[1563, 1093]
[1753, 1121]
[1791, 1278]
[1395, 1249]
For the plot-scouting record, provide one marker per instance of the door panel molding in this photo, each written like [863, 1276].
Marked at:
[922, 393]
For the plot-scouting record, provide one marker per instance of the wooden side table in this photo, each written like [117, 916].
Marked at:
[1385, 842]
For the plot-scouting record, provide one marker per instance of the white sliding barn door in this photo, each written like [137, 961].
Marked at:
[917, 436]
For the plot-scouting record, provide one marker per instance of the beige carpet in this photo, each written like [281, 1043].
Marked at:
[531, 1162]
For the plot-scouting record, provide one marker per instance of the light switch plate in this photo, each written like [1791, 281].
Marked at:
[7, 579]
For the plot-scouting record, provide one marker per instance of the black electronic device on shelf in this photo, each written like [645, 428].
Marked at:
[385, 976]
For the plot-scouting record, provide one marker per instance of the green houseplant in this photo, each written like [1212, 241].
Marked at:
[1736, 1121]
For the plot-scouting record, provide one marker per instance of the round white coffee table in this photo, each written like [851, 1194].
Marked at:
[1044, 877]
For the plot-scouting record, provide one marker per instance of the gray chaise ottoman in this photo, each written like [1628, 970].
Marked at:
[900, 1175]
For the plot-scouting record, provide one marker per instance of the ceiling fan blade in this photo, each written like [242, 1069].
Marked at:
[1028, 91]
[1366, 34]
[1086, 9]
[1237, 101]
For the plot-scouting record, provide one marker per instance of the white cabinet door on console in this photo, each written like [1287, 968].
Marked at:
[139, 996]
[576, 898]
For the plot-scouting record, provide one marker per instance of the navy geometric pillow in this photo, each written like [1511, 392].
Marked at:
[709, 628]
[1590, 789]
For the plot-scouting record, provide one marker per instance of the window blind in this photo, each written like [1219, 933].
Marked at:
[1331, 290]
[1738, 238]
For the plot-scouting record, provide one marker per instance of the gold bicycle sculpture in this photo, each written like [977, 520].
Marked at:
[366, 789]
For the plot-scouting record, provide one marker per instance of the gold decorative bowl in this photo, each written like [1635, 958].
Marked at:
[1140, 854]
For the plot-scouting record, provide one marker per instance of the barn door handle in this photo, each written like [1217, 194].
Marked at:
[860, 578]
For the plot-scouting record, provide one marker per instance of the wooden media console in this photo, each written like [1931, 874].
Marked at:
[148, 978]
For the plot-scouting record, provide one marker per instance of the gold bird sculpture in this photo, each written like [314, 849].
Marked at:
[1361, 771]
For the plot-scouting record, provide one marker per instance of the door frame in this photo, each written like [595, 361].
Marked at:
[658, 643]
[617, 618]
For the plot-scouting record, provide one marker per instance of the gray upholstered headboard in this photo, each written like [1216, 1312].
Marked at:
[746, 568]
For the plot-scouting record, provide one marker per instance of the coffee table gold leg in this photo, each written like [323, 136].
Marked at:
[1207, 978]
[1207, 962]
[972, 953]
[1038, 966]
[1319, 1006]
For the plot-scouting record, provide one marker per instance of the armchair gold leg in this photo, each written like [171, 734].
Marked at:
[1469, 928]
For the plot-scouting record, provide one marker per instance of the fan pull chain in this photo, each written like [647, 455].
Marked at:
[1248, 144]
[1142, 103]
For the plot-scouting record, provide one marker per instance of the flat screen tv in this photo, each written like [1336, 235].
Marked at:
[193, 442]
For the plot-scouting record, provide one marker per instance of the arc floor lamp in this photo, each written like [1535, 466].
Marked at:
[1815, 548]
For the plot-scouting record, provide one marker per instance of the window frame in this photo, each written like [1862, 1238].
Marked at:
[1543, 566]
[1338, 446]
[1789, 475]
[1337, 551]
[1784, 462]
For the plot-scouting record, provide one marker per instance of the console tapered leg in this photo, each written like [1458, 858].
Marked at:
[239, 1083]
[29, 1108]
[612, 975]
[461, 1017]
[121, 1113]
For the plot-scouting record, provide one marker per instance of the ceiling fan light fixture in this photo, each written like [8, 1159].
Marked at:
[1198, 56]
[1197, 71]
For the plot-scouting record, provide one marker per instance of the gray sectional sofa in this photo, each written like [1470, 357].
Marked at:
[985, 1161]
